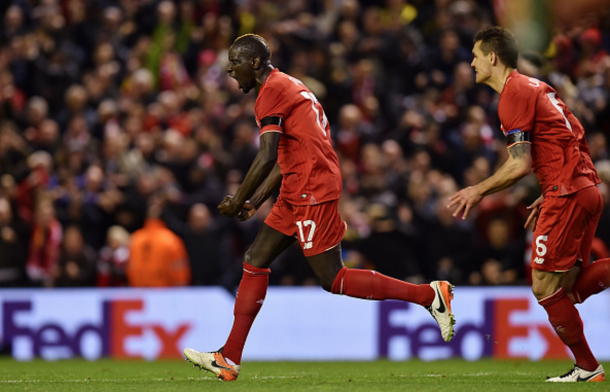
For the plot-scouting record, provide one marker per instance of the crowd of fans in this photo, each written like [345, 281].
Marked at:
[120, 132]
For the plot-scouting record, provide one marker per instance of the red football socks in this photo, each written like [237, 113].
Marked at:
[249, 300]
[567, 323]
[369, 284]
[593, 279]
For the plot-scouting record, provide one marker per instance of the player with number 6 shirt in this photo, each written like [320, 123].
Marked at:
[543, 135]
[296, 154]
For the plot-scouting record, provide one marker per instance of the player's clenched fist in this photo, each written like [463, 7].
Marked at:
[228, 207]
[248, 210]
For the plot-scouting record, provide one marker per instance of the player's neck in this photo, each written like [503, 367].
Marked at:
[262, 76]
[498, 80]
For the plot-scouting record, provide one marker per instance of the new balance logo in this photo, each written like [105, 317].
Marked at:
[538, 260]
[307, 245]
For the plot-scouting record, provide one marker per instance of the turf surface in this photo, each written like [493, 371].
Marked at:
[169, 376]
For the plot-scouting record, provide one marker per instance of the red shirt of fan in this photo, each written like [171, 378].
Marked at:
[308, 163]
[560, 154]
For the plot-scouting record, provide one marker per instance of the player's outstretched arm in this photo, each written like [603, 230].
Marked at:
[517, 166]
[265, 160]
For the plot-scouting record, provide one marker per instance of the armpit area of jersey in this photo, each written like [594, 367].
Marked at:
[517, 136]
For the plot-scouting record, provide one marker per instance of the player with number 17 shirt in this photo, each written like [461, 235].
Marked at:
[296, 151]
[308, 164]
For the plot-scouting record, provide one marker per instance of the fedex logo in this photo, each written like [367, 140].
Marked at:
[112, 331]
[505, 330]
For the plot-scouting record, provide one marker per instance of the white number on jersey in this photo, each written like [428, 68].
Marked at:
[321, 119]
[307, 243]
[540, 247]
[555, 103]
[321, 122]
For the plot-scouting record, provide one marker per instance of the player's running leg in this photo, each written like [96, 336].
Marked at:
[593, 279]
[269, 243]
[367, 284]
[588, 278]
[567, 323]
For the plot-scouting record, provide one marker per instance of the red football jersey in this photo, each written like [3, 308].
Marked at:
[560, 154]
[309, 165]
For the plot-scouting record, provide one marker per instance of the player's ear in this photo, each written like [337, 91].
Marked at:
[256, 62]
[493, 58]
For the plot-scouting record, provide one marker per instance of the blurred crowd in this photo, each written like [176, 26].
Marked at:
[120, 132]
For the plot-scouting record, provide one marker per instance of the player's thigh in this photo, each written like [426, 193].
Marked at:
[326, 266]
[559, 233]
[267, 246]
[319, 227]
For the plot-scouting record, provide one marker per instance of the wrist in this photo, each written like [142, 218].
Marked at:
[478, 190]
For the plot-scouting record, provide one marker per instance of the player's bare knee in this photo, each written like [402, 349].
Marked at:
[327, 284]
[542, 289]
[538, 291]
[247, 257]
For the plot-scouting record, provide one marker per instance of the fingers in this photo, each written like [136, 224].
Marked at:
[466, 211]
[224, 201]
[244, 215]
[453, 200]
[531, 223]
[531, 219]
[460, 205]
[527, 222]
[458, 210]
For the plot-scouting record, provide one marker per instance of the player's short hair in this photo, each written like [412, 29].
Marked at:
[255, 46]
[502, 42]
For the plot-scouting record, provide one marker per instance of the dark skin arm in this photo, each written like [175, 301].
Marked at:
[271, 183]
[517, 166]
[261, 168]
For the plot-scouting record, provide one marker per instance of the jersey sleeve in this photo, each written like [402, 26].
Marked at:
[519, 109]
[272, 109]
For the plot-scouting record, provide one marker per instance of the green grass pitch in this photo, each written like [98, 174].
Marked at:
[169, 376]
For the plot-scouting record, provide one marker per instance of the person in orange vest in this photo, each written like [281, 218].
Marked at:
[158, 257]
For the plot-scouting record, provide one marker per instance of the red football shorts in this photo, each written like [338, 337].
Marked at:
[318, 228]
[565, 230]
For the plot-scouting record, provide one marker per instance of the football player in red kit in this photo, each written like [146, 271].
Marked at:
[296, 152]
[544, 136]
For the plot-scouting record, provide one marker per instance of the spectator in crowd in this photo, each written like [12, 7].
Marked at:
[113, 259]
[14, 237]
[387, 249]
[157, 256]
[45, 243]
[203, 239]
[76, 266]
[497, 259]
